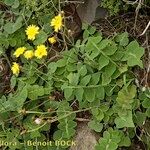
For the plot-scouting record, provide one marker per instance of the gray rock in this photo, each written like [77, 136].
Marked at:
[85, 138]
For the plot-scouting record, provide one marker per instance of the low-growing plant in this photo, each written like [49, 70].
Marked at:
[113, 6]
[96, 73]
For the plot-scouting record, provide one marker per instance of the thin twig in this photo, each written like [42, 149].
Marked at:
[145, 29]
[82, 119]
[137, 12]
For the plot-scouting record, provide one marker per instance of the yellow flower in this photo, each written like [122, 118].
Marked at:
[19, 51]
[57, 22]
[15, 68]
[52, 40]
[32, 31]
[29, 54]
[40, 51]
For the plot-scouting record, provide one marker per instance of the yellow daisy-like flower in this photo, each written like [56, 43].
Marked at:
[57, 22]
[32, 31]
[52, 40]
[40, 51]
[15, 68]
[19, 51]
[29, 54]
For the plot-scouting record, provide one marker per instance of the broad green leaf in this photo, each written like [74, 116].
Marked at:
[15, 4]
[126, 95]
[105, 79]
[95, 125]
[79, 93]
[148, 112]
[102, 62]
[89, 94]
[19, 99]
[94, 54]
[139, 118]
[85, 80]
[124, 121]
[103, 44]
[123, 68]
[8, 27]
[85, 34]
[118, 55]
[13, 27]
[52, 67]
[100, 92]
[133, 54]
[146, 103]
[106, 144]
[95, 78]
[82, 70]
[125, 141]
[98, 114]
[34, 91]
[91, 29]
[73, 78]
[40, 38]
[68, 92]
[110, 49]
[110, 69]
[71, 67]
[123, 39]
[9, 2]
[61, 63]
[70, 56]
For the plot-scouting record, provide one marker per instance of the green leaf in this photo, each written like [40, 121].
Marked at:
[123, 39]
[19, 99]
[52, 67]
[71, 67]
[148, 112]
[85, 34]
[79, 93]
[85, 80]
[123, 68]
[110, 49]
[125, 141]
[110, 69]
[82, 70]
[102, 62]
[13, 27]
[100, 92]
[146, 103]
[95, 125]
[61, 63]
[106, 144]
[40, 38]
[9, 2]
[95, 78]
[73, 78]
[126, 95]
[105, 79]
[68, 92]
[124, 120]
[89, 94]
[103, 44]
[91, 30]
[134, 54]
[8, 27]
[139, 118]
[35, 134]
[16, 4]
[34, 91]
[98, 114]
